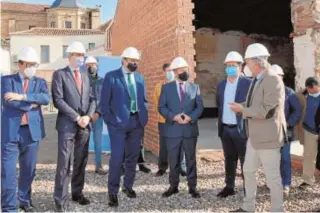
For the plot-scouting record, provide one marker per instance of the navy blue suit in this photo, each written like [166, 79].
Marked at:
[233, 137]
[73, 140]
[181, 135]
[125, 127]
[20, 142]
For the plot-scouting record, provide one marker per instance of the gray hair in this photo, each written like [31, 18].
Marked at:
[262, 61]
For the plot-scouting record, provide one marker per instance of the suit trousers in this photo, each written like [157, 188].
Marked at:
[73, 149]
[234, 149]
[163, 152]
[25, 151]
[309, 156]
[125, 143]
[270, 160]
[174, 150]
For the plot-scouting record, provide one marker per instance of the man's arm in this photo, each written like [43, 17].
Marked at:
[41, 98]
[105, 98]
[296, 108]
[58, 98]
[19, 105]
[199, 107]
[145, 94]
[162, 106]
[273, 96]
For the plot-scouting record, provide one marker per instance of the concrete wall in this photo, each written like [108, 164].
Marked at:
[20, 21]
[5, 66]
[161, 29]
[212, 47]
[55, 43]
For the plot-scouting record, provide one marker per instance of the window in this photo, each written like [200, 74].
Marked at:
[45, 53]
[64, 49]
[92, 45]
[31, 26]
[68, 24]
[83, 25]
[53, 24]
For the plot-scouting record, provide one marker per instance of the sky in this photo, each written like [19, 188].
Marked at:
[108, 7]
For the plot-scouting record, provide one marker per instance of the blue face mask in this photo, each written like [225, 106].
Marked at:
[79, 62]
[170, 75]
[231, 71]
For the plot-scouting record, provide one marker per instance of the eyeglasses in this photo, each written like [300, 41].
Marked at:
[32, 65]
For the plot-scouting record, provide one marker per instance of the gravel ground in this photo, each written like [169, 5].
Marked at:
[149, 189]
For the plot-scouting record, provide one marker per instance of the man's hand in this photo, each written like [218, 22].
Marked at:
[95, 117]
[10, 96]
[235, 107]
[178, 119]
[84, 121]
[187, 119]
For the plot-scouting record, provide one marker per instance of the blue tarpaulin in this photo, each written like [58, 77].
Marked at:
[105, 64]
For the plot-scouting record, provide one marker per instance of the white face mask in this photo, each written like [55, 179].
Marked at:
[316, 95]
[29, 72]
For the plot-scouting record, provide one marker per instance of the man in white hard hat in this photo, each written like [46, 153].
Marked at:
[231, 128]
[73, 97]
[293, 114]
[264, 111]
[97, 121]
[124, 109]
[22, 128]
[181, 105]
[163, 150]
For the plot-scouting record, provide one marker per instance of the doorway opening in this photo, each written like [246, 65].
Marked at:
[223, 26]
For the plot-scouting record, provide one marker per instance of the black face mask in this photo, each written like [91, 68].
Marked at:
[184, 76]
[92, 70]
[132, 67]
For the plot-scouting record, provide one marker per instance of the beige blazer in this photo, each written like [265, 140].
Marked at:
[266, 118]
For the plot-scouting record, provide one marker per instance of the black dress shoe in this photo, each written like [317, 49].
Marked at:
[101, 171]
[239, 210]
[160, 172]
[129, 192]
[28, 208]
[170, 191]
[81, 200]
[194, 193]
[60, 208]
[183, 173]
[144, 169]
[113, 200]
[226, 192]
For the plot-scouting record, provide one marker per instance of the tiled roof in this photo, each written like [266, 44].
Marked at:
[22, 7]
[67, 4]
[39, 31]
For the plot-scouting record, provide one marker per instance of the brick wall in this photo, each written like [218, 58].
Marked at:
[161, 29]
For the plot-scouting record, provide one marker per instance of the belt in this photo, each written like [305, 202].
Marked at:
[25, 125]
[133, 113]
[230, 125]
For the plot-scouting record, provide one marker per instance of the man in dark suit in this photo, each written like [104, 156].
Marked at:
[231, 128]
[124, 109]
[72, 96]
[21, 130]
[181, 105]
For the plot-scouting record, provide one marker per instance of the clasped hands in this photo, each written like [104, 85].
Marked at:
[83, 121]
[182, 118]
[11, 96]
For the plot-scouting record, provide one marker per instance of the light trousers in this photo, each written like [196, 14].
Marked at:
[309, 156]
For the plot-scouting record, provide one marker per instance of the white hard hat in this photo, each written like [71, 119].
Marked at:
[91, 60]
[276, 68]
[76, 47]
[178, 62]
[28, 54]
[247, 71]
[233, 56]
[256, 50]
[131, 52]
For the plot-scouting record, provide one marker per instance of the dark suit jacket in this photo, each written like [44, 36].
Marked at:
[68, 101]
[169, 106]
[12, 111]
[317, 120]
[241, 95]
[115, 99]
